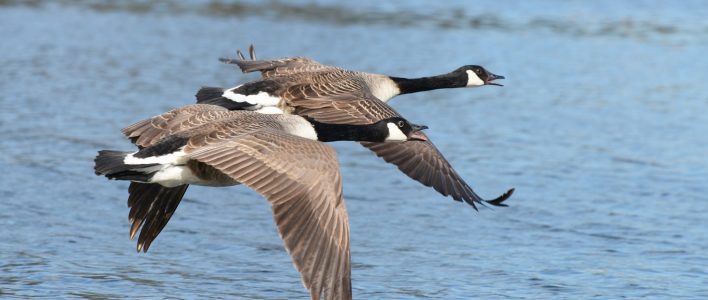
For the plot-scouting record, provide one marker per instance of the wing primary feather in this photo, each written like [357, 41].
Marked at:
[306, 201]
[423, 162]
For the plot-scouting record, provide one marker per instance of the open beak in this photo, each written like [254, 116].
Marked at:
[416, 134]
[491, 77]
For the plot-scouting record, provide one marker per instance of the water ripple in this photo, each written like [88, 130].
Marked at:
[440, 18]
[599, 131]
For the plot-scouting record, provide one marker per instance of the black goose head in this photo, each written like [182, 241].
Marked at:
[465, 76]
[399, 129]
[394, 129]
[477, 76]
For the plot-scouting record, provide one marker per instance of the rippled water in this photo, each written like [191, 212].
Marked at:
[601, 127]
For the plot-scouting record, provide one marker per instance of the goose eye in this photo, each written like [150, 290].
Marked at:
[400, 123]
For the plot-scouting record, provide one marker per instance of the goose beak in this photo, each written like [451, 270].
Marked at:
[416, 134]
[417, 127]
[491, 77]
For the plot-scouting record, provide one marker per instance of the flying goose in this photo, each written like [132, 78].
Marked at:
[279, 156]
[329, 94]
[287, 78]
[334, 80]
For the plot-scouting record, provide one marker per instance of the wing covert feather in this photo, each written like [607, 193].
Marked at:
[301, 180]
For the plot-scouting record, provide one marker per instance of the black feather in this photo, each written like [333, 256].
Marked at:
[111, 164]
[165, 146]
[151, 207]
[498, 201]
[209, 92]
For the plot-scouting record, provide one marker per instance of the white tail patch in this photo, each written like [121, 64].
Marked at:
[262, 98]
[174, 158]
[473, 79]
[170, 170]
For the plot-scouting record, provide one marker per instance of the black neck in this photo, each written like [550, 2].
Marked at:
[444, 81]
[343, 132]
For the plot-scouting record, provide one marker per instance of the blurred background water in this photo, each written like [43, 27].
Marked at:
[601, 127]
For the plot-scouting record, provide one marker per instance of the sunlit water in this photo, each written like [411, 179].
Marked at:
[601, 127]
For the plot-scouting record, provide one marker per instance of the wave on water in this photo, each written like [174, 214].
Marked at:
[629, 26]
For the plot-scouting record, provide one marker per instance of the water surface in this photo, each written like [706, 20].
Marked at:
[600, 127]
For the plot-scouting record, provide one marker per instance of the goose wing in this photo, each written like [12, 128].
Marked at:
[354, 108]
[279, 67]
[301, 180]
[423, 162]
[149, 131]
[151, 207]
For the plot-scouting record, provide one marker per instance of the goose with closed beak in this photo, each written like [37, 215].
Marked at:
[281, 157]
[304, 87]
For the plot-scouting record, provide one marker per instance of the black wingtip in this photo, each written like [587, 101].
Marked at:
[498, 201]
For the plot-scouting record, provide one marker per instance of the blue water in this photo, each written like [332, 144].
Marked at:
[601, 127]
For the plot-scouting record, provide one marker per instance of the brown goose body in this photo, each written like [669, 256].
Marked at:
[304, 87]
[279, 156]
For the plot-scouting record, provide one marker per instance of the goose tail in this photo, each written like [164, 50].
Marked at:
[112, 164]
[214, 96]
[208, 93]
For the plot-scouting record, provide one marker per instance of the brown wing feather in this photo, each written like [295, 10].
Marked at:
[279, 67]
[151, 207]
[301, 179]
[149, 131]
[423, 162]
[353, 109]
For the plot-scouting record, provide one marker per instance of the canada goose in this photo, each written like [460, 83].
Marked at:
[329, 94]
[279, 156]
[297, 77]
[329, 80]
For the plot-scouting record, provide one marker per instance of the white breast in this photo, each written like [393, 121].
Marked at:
[382, 87]
[297, 125]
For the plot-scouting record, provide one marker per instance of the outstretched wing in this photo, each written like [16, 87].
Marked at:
[301, 179]
[149, 131]
[348, 108]
[151, 207]
[423, 162]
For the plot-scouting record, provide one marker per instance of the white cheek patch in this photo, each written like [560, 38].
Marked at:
[395, 133]
[473, 79]
[262, 98]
